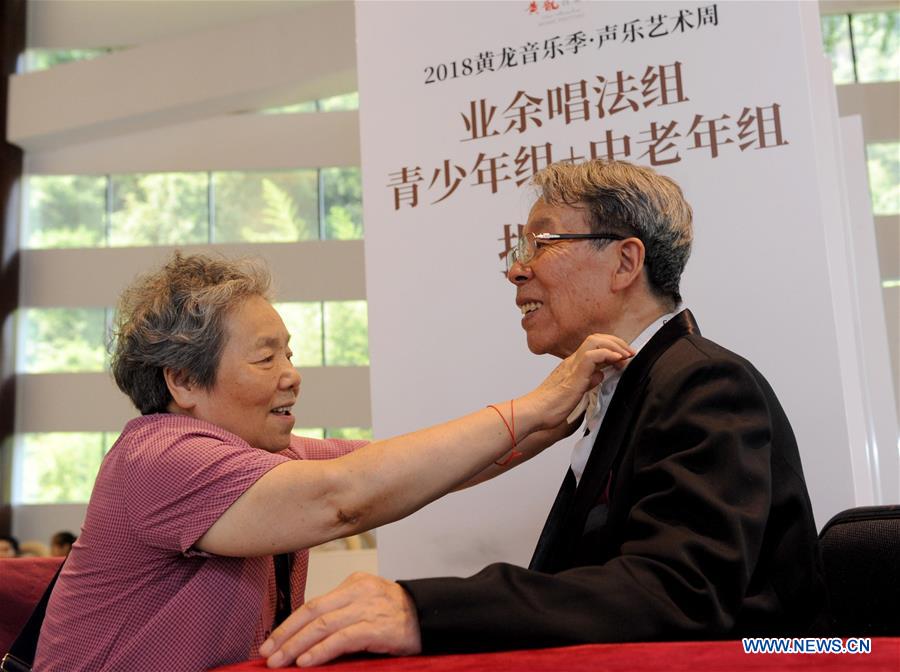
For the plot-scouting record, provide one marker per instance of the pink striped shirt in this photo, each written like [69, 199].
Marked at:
[134, 593]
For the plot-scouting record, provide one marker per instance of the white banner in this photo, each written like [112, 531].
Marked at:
[461, 102]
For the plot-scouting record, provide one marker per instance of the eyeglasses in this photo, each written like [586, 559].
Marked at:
[528, 246]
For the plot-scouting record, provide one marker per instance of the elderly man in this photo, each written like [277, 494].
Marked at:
[684, 514]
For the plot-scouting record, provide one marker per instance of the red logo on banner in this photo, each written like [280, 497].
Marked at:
[535, 7]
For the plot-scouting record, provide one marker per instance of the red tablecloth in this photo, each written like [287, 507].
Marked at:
[660, 656]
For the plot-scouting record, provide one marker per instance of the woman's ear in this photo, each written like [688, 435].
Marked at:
[630, 264]
[183, 391]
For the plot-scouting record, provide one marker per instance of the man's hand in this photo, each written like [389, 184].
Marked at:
[364, 613]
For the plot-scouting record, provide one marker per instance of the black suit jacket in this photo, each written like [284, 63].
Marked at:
[707, 530]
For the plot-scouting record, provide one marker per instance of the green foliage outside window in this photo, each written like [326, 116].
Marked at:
[305, 107]
[304, 323]
[342, 203]
[61, 340]
[60, 467]
[355, 433]
[351, 433]
[346, 333]
[174, 208]
[310, 432]
[345, 323]
[876, 39]
[347, 101]
[884, 177]
[266, 207]
[836, 40]
[65, 211]
[863, 47]
[43, 59]
[159, 209]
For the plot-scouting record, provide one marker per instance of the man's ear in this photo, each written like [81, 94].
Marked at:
[630, 264]
[183, 391]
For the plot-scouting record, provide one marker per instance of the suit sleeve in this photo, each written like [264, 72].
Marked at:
[697, 505]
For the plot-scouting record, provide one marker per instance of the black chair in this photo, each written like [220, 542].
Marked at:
[861, 553]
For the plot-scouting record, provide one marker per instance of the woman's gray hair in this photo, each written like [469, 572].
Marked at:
[631, 200]
[174, 319]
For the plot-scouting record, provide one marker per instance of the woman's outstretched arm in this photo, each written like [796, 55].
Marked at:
[304, 503]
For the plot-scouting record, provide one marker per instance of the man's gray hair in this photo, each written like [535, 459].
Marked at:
[174, 318]
[630, 200]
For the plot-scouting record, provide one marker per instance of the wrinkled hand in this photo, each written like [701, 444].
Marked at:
[581, 371]
[364, 613]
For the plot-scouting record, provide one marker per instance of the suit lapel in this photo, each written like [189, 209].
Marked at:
[565, 525]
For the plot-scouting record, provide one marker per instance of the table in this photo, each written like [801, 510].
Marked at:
[727, 656]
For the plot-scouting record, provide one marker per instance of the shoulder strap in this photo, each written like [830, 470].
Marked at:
[21, 653]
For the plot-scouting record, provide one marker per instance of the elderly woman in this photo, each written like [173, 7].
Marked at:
[172, 569]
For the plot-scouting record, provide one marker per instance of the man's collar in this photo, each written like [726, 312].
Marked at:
[594, 397]
[641, 339]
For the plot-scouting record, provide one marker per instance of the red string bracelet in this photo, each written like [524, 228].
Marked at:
[513, 454]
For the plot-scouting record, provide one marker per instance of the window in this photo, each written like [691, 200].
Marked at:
[355, 433]
[266, 207]
[74, 340]
[352, 433]
[61, 340]
[43, 59]
[65, 211]
[304, 324]
[347, 101]
[884, 177]
[346, 333]
[836, 39]
[330, 333]
[341, 203]
[158, 209]
[876, 39]
[59, 467]
[192, 208]
[863, 47]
